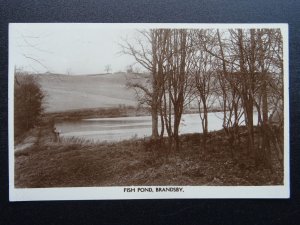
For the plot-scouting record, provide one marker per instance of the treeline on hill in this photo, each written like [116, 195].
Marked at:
[28, 102]
[241, 70]
[109, 112]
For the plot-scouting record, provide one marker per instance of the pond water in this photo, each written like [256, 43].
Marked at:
[123, 128]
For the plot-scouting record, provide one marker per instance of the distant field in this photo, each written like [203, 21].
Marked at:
[64, 92]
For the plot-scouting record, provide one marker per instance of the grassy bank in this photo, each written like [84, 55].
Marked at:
[75, 162]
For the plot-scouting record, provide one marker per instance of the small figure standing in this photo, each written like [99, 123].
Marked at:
[56, 134]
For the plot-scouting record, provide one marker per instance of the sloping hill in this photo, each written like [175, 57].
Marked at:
[64, 92]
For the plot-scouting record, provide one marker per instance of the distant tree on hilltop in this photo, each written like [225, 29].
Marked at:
[108, 68]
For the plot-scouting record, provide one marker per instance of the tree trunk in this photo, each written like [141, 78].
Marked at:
[154, 115]
[266, 132]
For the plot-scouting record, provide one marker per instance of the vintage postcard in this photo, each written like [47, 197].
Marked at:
[148, 111]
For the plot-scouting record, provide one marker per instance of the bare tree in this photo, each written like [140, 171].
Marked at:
[253, 54]
[149, 52]
[203, 70]
[108, 68]
[129, 69]
[229, 84]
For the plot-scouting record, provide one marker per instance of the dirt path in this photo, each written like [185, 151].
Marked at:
[28, 141]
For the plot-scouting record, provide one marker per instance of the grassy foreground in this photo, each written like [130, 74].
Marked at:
[74, 163]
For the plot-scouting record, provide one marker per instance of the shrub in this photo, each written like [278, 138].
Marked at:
[28, 102]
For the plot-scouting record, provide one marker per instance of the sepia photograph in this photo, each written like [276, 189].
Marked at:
[133, 111]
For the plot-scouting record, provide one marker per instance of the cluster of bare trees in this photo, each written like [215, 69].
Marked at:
[241, 70]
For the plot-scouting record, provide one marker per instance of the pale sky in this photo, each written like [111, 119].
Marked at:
[87, 48]
[68, 48]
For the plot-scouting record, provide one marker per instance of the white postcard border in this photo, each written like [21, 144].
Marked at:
[189, 192]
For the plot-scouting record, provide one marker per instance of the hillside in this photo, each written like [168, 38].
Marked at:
[65, 92]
